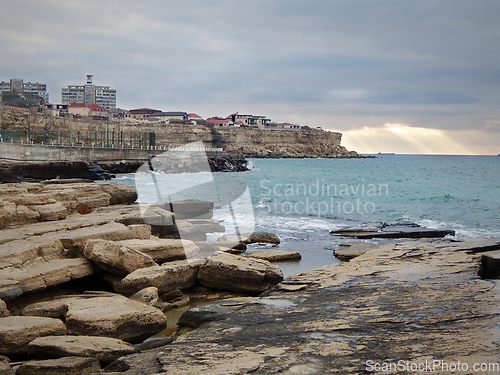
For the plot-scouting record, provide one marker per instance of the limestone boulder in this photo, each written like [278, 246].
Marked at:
[149, 296]
[105, 349]
[74, 240]
[115, 258]
[10, 289]
[56, 309]
[120, 193]
[112, 315]
[347, 251]
[8, 213]
[164, 249]
[16, 332]
[226, 271]
[275, 256]
[180, 274]
[39, 274]
[62, 366]
[26, 215]
[234, 241]
[50, 212]
[4, 311]
[5, 369]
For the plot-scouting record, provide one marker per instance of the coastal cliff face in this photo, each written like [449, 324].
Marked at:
[248, 142]
[265, 143]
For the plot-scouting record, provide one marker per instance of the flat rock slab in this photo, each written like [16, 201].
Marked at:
[112, 315]
[403, 232]
[60, 366]
[164, 249]
[275, 256]
[105, 349]
[116, 258]
[250, 238]
[16, 332]
[180, 274]
[347, 251]
[226, 271]
[75, 240]
[40, 274]
[490, 265]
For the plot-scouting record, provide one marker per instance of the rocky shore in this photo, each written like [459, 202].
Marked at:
[393, 308]
[81, 274]
[87, 281]
[12, 171]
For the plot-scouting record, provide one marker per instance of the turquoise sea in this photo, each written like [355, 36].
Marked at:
[302, 200]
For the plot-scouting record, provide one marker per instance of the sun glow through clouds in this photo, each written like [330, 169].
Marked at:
[404, 139]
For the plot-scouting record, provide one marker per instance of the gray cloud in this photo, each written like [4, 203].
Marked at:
[420, 59]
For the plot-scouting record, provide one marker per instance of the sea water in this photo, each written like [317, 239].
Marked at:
[302, 200]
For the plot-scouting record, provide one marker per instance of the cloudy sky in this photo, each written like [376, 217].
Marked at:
[391, 75]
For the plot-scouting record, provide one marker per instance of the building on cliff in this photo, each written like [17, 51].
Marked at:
[17, 86]
[219, 121]
[249, 120]
[140, 113]
[103, 96]
[92, 110]
[168, 117]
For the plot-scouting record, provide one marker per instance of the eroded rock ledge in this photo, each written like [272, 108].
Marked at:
[408, 301]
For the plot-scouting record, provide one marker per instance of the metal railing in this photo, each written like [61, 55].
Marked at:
[81, 138]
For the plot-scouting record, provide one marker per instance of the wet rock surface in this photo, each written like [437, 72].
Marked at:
[408, 301]
[392, 230]
[275, 256]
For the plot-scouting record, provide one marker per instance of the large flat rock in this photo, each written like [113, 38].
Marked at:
[105, 349]
[16, 332]
[116, 258]
[164, 249]
[275, 256]
[347, 251]
[112, 315]
[180, 274]
[60, 366]
[39, 274]
[392, 230]
[226, 271]
[75, 240]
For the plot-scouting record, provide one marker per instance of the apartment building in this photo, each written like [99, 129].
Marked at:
[103, 96]
[249, 120]
[16, 85]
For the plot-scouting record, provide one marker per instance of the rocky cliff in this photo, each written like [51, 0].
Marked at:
[243, 141]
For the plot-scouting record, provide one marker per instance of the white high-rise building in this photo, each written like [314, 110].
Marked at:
[103, 96]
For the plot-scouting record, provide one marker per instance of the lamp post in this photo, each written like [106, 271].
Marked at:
[107, 132]
[29, 125]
